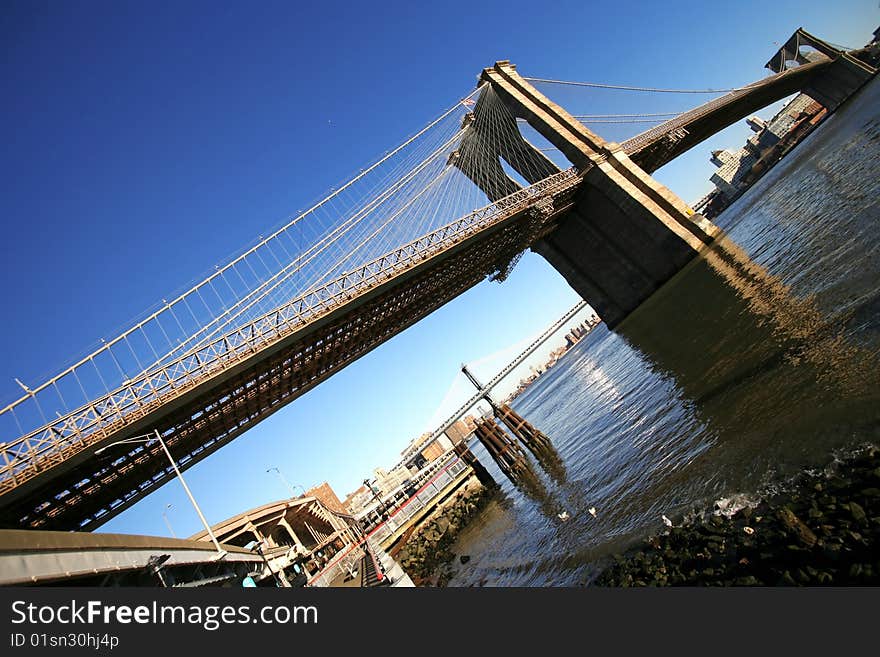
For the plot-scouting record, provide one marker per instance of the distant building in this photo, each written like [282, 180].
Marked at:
[436, 448]
[414, 447]
[579, 331]
[574, 336]
[387, 481]
[327, 496]
[459, 431]
[732, 168]
[781, 124]
[355, 501]
[738, 169]
[429, 451]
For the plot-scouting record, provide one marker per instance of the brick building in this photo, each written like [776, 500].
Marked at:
[324, 494]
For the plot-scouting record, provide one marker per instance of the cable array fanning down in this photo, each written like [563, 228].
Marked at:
[441, 177]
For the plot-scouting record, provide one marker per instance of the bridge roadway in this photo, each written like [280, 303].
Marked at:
[663, 143]
[201, 407]
[51, 479]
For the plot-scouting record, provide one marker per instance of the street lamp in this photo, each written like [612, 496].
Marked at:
[168, 522]
[287, 483]
[149, 438]
[378, 499]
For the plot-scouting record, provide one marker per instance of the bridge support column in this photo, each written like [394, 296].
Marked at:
[628, 234]
[491, 137]
[837, 82]
[297, 543]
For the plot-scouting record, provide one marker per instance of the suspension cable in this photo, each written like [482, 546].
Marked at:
[597, 85]
[621, 116]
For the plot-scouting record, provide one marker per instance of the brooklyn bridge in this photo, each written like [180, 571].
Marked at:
[456, 203]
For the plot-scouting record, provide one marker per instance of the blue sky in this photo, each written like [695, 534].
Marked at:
[146, 142]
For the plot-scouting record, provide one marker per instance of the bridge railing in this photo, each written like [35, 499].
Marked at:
[399, 494]
[422, 498]
[344, 563]
[25, 457]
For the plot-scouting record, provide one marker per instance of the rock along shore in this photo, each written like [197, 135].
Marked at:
[822, 529]
[426, 554]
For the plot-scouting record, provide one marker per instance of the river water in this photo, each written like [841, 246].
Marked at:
[757, 360]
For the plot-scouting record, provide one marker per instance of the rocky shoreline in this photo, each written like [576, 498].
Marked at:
[425, 556]
[819, 529]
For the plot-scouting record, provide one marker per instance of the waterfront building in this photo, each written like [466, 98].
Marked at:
[356, 500]
[732, 168]
[388, 480]
[781, 124]
[437, 448]
[327, 497]
[296, 537]
[415, 445]
[737, 169]
[459, 432]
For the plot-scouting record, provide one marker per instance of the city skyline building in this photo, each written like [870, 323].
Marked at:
[738, 168]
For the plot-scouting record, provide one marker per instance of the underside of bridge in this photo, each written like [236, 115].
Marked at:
[47, 558]
[82, 491]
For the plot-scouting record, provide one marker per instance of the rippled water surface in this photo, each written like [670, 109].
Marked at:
[757, 360]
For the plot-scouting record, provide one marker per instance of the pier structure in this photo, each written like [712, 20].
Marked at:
[506, 447]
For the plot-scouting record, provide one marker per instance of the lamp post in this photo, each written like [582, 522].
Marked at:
[287, 483]
[168, 522]
[149, 438]
[378, 499]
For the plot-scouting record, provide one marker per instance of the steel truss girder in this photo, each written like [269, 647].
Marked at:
[108, 417]
[86, 496]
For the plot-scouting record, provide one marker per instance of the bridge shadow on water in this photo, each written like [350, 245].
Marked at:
[750, 360]
[776, 384]
[773, 383]
[757, 360]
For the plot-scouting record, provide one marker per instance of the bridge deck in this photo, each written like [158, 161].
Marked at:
[202, 405]
[663, 143]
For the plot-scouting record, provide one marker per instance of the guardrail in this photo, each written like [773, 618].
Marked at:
[346, 562]
[347, 559]
[422, 498]
[371, 516]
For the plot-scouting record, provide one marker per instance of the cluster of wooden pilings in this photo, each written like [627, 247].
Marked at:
[506, 447]
[535, 441]
[503, 449]
[471, 459]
